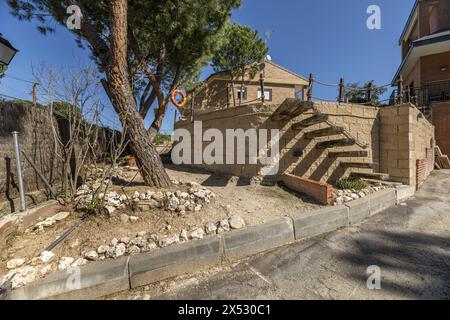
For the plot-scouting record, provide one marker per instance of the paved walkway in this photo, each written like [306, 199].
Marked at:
[410, 244]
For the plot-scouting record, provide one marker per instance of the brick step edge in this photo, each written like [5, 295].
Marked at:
[104, 278]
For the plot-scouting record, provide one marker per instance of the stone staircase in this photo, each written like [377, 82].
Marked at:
[292, 108]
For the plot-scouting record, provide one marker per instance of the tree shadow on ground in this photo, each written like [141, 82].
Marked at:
[412, 264]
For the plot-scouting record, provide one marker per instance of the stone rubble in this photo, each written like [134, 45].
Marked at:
[347, 195]
[15, 263]
[116, 248]
[181, 202]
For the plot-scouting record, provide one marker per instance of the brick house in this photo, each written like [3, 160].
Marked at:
[425, 66]
[279, 84]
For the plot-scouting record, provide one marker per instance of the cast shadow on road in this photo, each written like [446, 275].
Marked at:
[414, 265]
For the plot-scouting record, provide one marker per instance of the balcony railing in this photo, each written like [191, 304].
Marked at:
[423, 96]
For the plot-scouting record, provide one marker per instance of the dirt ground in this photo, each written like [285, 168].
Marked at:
[253, 202]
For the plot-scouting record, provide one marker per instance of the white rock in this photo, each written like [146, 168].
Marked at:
[134, 250]
[184, 236]
[110, 209]
[347, 199]
[120, 249]
[24, 276]
[103, 249]
[60, 216]
[361, 194]
[197, 233]
[114, 242]
[153, 237]
[133, 219]
[136, 195]
[138, 242]
[91, 255]
[354, 196]
[198, 207]
[223, 226]
[79, 262]
[142, 196]
[44, 257]
[339, 200]
[236, 222]
[15, 263]
[158, 196]
[210, 228]
[200, 194]
[169, 241]
[65, 262]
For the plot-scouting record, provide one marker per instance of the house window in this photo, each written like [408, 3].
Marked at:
[242, 93]
[267, 94]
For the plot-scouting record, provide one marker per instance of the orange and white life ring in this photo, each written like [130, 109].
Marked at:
[178, 104]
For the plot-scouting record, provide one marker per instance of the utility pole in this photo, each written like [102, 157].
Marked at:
[34, 96]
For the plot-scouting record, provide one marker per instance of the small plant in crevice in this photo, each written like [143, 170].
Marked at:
[350, 183]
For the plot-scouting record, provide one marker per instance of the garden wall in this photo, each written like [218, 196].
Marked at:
[406, 137]
[36, 139]
[395, 138]
[297, 154]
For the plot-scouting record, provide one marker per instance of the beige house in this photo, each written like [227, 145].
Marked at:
[278, 82]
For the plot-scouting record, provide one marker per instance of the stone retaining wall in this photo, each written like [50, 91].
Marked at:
[297, 154]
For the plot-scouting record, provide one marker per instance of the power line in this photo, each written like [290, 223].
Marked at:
[18, 79]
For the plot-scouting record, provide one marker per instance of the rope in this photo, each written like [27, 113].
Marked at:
[326, 84]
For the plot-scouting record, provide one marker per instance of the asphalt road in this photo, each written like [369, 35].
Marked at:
[410, 243]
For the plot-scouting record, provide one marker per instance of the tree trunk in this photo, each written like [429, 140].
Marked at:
[232, 89]
[242, 86]
[147, 158]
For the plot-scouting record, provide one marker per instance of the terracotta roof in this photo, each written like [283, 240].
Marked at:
[267, 62]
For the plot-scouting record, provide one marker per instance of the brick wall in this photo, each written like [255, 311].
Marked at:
[322, 192]
[441, 120]
[420, 172]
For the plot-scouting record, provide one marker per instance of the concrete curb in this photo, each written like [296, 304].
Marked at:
[405, 192]
[320, 221]
[172, 261]
[252, 240]
[112, 276]
[86, 282]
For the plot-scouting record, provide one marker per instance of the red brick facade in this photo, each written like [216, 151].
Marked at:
[322, 192]
[441, 120]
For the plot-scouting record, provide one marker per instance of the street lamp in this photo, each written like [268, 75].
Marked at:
[7, 51]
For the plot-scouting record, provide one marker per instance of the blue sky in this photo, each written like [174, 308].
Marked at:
[326, 37]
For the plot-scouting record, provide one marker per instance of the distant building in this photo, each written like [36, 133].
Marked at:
[279, 84]
[425, 67]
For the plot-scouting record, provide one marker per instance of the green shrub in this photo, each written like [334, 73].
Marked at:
[356, 184]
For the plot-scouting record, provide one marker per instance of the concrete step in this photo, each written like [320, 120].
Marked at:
[331, 131]
[347, 154]
[290, 109]
[360, 165]
[315, 119]
[373, 175]
[336, 143]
